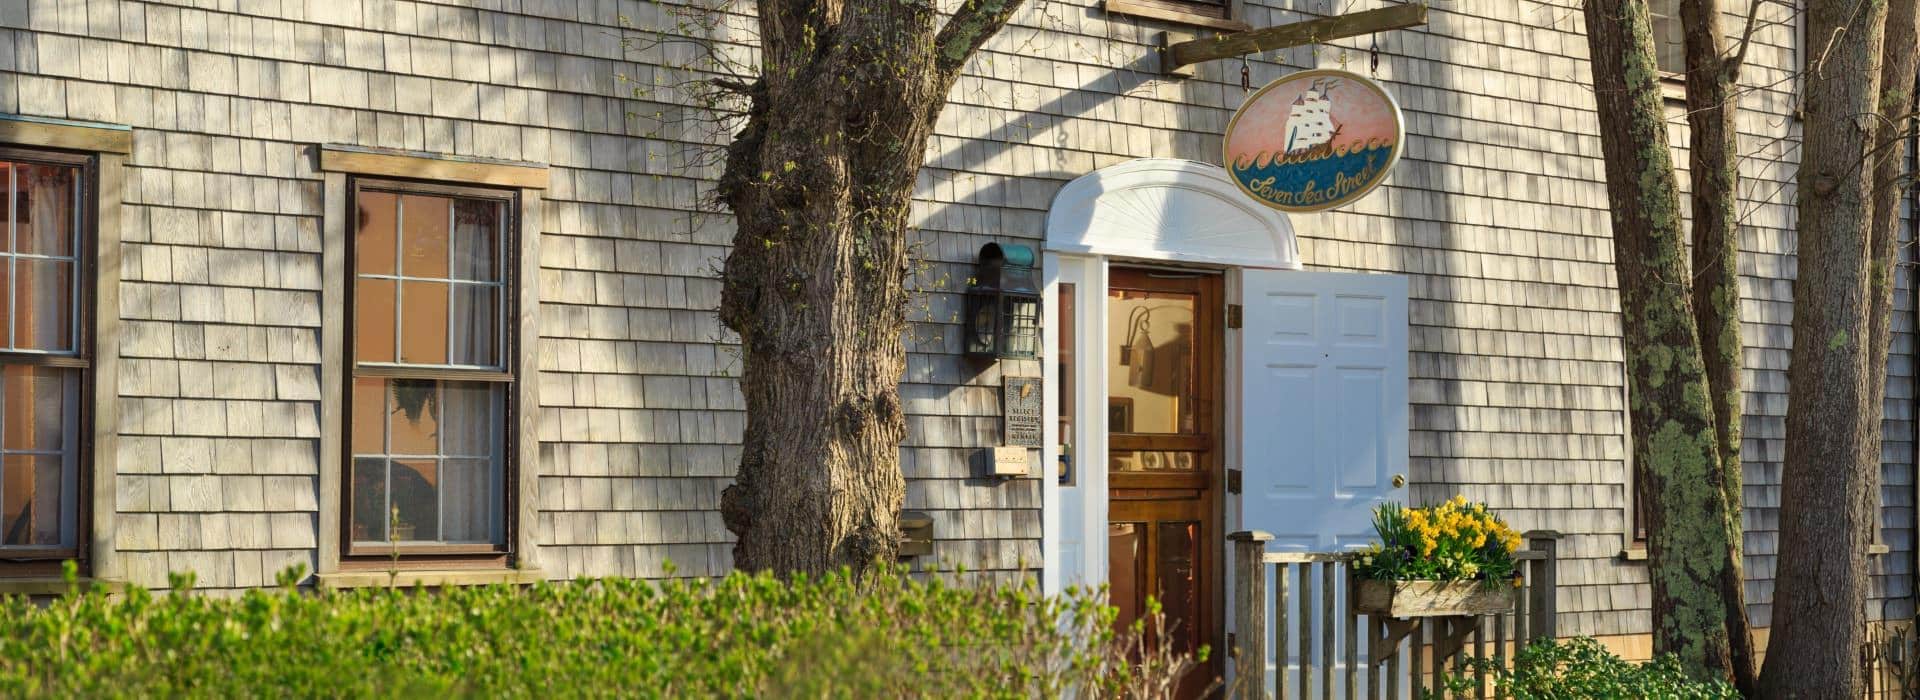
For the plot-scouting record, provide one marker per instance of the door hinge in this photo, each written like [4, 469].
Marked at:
[1233, 315]
[1233, 481]
[1232, 645]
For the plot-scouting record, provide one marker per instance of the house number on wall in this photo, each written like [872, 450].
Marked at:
[1020, 404]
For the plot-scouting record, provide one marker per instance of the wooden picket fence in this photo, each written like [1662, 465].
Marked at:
[1326, 649]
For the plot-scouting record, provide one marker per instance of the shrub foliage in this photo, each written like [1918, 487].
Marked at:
[1579, 668]
[741, 636]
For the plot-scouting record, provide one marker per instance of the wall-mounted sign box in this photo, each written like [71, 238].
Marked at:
[1010, 461]
[1314, 140]
[1020, 409]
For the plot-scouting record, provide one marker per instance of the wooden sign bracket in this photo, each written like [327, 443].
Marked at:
[1179, 52]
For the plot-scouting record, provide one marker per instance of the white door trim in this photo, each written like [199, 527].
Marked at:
[1169, 209]
[1144, 210]
[1074, 519]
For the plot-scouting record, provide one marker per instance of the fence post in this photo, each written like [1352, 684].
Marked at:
[1249, 614]
[1542, 589]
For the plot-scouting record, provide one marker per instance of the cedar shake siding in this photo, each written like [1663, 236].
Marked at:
[1497, 213]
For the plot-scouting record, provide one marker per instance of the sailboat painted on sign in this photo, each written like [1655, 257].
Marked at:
[1314, 140]
[1310, 123]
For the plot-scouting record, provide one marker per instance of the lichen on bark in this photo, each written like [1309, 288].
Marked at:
[1691, 521]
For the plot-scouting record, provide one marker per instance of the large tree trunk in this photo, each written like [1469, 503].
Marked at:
[1713, 145]
[1819, 621]
[1897, 68]
[1671, 400]
[820, 180]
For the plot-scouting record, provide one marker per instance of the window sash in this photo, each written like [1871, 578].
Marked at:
[503, 342]
[1668, 36]
[502, 373]
[77, 387]
[456, 447]
[72, 386]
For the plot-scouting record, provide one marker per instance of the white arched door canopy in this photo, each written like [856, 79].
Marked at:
[1168, 209]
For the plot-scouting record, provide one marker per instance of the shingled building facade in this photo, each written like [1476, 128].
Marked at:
[321, 281]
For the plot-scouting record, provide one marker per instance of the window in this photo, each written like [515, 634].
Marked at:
[431, 375]
[1068, 413]
[1216, 14]
[44, 357]
[1669, 38]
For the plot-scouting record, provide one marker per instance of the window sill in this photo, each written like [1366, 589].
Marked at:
[407, 579]
[41, 585]
[1673, 87]
[1132, 8]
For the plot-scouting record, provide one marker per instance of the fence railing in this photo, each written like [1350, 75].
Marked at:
[1300, 603]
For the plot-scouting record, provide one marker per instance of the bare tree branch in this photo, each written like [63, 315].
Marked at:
[1746, 39]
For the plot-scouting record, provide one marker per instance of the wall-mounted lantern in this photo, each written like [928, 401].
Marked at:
[1003, 304]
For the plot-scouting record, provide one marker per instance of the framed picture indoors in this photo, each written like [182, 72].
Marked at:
[1119, 414]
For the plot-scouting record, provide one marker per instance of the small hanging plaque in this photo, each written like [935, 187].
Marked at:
[1020, 405]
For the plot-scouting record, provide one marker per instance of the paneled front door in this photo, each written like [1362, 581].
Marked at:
[1163, 423]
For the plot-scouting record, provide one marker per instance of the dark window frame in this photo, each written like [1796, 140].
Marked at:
[360, 555]
[44, 561]
[1654, 21]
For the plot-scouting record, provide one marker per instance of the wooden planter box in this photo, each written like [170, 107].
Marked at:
[1433, 598]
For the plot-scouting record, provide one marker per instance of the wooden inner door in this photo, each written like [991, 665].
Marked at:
[1163, 424]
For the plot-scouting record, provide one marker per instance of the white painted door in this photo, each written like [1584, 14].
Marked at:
[1322, 426]
[1323, 419]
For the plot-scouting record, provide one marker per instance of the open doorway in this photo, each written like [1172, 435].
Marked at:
[1164, 456]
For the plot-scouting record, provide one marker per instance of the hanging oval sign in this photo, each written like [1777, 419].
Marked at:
[1314, 140]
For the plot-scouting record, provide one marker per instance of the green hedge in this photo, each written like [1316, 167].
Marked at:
[741, 636]
[1578, 668]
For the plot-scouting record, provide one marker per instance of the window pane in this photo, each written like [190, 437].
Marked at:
[467, 500]
[424, 311]
[1125, 571]
[6, 205]
[36, 407]
[373, 325]
[423, 235]
[1669, 37]
[468, 420]
[369, 416]
[1151, 383]
[369, 500]
[43, 311]
[475, 309]
[375, 242]
[43, 208]
[1154, 460]
[415, 485]
[476, 246]
[1064, 355]
[415, 421]
[1178, 587]
[30, 500]
[6, 295]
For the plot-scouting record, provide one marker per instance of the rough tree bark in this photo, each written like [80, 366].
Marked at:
[1671, 404]
[819, 180]
[1819, 622]
[1713, 144]
[1897, 68]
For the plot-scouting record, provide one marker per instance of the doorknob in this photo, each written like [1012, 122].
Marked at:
[1399, 480]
